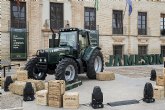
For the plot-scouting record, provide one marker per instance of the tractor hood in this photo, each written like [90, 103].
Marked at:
[58, 49]
[55, 54]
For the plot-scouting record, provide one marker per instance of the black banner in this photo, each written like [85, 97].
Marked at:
[18, 44]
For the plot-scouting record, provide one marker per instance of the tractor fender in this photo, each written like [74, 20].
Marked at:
[88, 52]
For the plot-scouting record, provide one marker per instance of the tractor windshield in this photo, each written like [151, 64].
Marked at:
[68, 39]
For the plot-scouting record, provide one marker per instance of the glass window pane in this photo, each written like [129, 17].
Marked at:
[139, 17]
[86, 18]
[114, 23]
[14, 8]
[143, 22]
[15, 14]
[86, 13]
[56, 15]
[139, 22]
[90, 18]
[161, 27]
[117, 22]
[143, 18]
[22, 9]
[143, 26]
[117, 50]
[161, 23]
[22, 15]
[86, 23]
[139, 26]
[161, 19]
[91, 13]
[142, 50]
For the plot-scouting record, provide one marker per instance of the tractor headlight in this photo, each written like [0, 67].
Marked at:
[44, 60]
[40, 60]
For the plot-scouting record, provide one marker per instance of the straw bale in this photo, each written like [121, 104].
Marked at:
[18, 87]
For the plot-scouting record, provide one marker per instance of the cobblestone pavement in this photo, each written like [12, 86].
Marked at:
[128, 85]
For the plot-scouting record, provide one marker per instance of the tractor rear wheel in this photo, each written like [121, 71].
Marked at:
[95, 64]
[33, 71]
[67, 70]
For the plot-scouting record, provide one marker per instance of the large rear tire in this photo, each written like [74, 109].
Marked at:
[67, 70]
[95, 64]
[33, 71]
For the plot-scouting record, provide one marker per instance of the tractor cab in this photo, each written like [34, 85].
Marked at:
[78, 39]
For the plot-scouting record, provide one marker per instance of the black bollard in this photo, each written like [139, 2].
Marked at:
[153, 75]
[28, 93]
[148, 93]
[7, 82]
[97, 98]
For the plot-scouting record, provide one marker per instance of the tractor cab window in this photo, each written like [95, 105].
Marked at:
[68, 39]
[83, 41]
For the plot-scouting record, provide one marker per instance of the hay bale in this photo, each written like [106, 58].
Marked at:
[71, 100]
[2, 82]
[22, 68]
[56, 87]
[105, 76]
[39, 84]
[22, 75]
[14, 77]
[18, 86]
[46, 85]
[41, 97]
[55, 100]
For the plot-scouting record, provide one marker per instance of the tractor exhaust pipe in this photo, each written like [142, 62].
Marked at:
[53, 37]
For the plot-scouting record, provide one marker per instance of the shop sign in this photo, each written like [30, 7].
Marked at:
[18, 45]
[130, 60]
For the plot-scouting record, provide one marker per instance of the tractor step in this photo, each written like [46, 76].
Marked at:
[73, 85]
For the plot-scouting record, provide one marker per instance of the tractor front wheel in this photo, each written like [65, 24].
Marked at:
[95, 64]
[67, 70]
[33, 71]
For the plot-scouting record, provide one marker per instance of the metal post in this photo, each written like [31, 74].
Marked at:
[4, 74]
[129, 43]
[53, 39]
[4, 68]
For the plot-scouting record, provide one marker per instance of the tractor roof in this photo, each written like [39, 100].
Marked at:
[73, 29]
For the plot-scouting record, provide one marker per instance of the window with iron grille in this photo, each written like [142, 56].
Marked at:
[142, 50]
[162, 24]
[90, 18]
[142, 23]
[117, 22]
[56, 16]
[163, 50]
[118, 50]
[18, 15]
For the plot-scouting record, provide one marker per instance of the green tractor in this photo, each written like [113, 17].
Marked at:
[77, 52]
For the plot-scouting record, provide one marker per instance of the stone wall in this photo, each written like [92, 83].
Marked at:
[74, 13]
[5, 35]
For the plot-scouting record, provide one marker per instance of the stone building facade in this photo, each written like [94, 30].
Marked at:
[139, 33]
